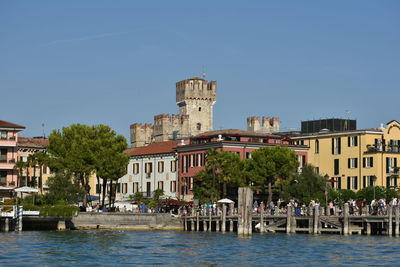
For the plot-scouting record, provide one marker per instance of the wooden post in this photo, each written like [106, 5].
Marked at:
[316, 219]
[346, 219]
[231, 208]
[288, 219]
[230, 225]
[6, 226]
[197, 221]
[185, 224]
[368, 228]
[293, 224]
[396, 225]
[223, 226]
[389, 230]
[245, 202]
[204, 225]
[210, 221]
[262, 217]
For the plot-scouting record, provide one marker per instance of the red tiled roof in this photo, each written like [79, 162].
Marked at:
[153, 148]
[6, 124]
[235, 132]
[32, 142]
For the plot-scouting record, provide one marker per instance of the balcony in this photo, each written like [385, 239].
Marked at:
[383, 148]
[8, 141]
[7, 164]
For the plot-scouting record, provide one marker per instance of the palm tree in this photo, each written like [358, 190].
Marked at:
[32, 162]
[20, 166]
[41, 158]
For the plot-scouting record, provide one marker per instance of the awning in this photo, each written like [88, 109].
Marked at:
[225, 201]
[26, 189]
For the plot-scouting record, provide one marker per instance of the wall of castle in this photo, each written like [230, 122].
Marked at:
[141, 134]
[263, 124]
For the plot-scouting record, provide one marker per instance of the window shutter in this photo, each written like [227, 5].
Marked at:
[333, 146]
[372, 162]
[364, 181]
[356, 140]
[388, 181]
[395, 162]
[340, 183]
[348, 141]
[349, 163]
[339, 145]
[348, 182]
[356, 163]
[387, 165]
[364, 164]
[356, 182]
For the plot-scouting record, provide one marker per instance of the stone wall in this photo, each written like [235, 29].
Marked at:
[126, 221]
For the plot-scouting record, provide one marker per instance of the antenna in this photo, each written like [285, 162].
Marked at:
[44, 136]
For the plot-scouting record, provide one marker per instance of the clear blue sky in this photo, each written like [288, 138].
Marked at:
[116, 62]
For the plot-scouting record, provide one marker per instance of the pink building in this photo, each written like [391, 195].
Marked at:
[191, 154]
[8, 152]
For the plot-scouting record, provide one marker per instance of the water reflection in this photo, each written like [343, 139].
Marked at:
[194, 248]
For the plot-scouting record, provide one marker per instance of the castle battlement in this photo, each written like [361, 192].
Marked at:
[263, 124]
[196, 88]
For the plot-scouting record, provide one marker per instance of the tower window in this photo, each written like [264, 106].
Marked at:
[199, 108]
[198, 126]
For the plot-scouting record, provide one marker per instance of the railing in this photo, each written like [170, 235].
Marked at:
[3, 160]
[9, 138]
[383, 148]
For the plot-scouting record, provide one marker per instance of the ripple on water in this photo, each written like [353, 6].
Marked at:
[194, 248]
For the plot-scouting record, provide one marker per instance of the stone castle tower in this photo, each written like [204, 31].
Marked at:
[195, 98]
[264, 124]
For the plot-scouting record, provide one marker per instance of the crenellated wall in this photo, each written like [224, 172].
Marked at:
[263, 124]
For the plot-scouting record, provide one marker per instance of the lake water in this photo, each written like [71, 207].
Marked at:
[193, 249]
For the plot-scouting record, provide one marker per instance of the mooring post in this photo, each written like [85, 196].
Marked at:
[262, 217]
[396, 225]
[368, 228]
[197, 221]
[20, 210]
[184, 224]
[346, 219]
[230, 225]
[245, 202]
[223, 226]
[6, 226]
[316, 219]
[210, 221]
[288, 219]
[390, 222]
[204, 225]
[241, 211]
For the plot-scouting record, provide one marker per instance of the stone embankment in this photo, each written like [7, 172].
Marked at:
[125, 221]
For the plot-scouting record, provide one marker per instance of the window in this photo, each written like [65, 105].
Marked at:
[336, 146]
[3, 135]
[98, 188]
[44, 169]
[3, 177]
[391, 181]
[192, 160]
[352, 163]
[338, 184]
[199, 108]
[198, 126]
[391, 163]
[248, 155]
[135, 187]
[336, 167]
[124, 188]
[199, 158]
[368, 180]
[352, 141]
[135, 168]
[352, 182]
[173, 165]
[368, 162]
[161, 166]
[316, 146]
[148, 167]
[185, 163]
[173, 186]
[161, 185]
[3, 155]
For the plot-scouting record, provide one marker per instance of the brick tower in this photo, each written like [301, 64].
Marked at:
[196, 97]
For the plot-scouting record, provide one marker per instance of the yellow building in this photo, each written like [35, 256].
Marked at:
[358, 158]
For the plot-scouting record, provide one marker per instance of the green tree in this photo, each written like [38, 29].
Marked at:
[32, 163]
[62, 187]
[222, 168]
[41, 159]
[83, 150]
[305, 186]
[138, 198]
[20, 166]
[268, 164]
[369, 192]
[156, 199]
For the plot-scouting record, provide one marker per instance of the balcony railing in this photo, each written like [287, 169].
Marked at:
[8, 138]
[10, 161]
[383, 148]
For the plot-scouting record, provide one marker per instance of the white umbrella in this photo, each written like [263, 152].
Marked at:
[225, 201]
[26, 189]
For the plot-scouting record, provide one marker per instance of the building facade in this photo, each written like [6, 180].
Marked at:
[8, 153]
[356, 158]
[195, 98]
[151, 167]
[192, 154]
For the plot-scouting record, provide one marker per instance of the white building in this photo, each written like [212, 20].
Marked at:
[151, 167]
